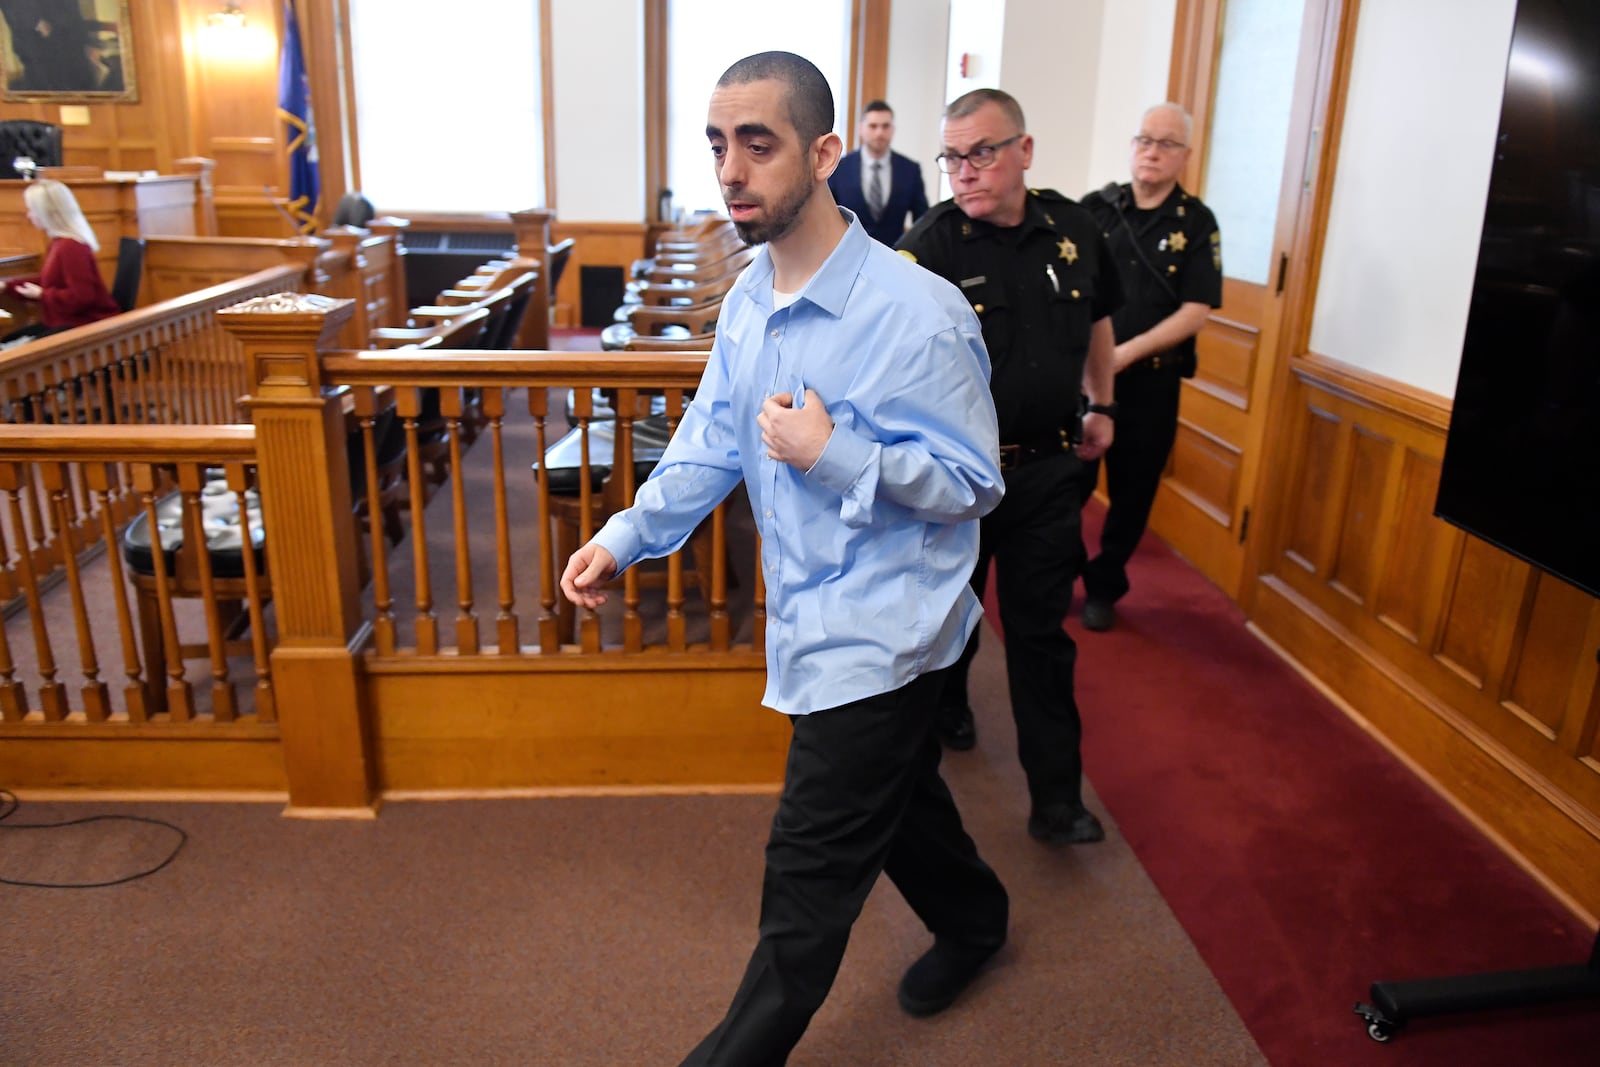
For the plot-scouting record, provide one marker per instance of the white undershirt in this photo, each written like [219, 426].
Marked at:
[782, 300]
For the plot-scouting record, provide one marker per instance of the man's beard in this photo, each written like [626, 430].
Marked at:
[781, 217]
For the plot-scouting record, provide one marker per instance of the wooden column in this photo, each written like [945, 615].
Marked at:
[205, 196]
[532, 229]
[311, 551]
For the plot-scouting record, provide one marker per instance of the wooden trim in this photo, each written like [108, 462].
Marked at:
[1512, 808]
[547, 125]
[347, 91]
[655, 107]
[318, 25]
[1471, 664]
[1357, 383]
[869, 61]
[1336, 35]
[1196, 44]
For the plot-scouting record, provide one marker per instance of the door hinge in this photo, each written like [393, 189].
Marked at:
[1283, 272]
[1244, 526]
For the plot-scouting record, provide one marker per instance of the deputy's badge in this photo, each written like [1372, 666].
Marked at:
[1069, 251]
[909, 255]
[1178, 240]
[1216, 249]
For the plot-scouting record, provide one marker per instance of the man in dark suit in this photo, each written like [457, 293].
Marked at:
[883, 188]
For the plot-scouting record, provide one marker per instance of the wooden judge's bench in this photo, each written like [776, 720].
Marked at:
[166, 205]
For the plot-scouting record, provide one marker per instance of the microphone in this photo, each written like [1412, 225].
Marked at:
[1112, 194]
[294, 223]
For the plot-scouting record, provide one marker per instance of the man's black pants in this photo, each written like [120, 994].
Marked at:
[1035, 538]
[1147, 425]
[861, 794]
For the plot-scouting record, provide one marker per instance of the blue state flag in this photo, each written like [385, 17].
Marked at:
[300, 130]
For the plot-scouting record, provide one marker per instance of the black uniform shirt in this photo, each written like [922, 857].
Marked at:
[1180, 241]
[1037, 288]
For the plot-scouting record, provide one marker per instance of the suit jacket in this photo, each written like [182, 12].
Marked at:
[906, 195]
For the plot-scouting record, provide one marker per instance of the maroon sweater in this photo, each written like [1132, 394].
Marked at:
[72, 292]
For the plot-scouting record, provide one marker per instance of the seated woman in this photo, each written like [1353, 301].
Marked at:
[69, 290]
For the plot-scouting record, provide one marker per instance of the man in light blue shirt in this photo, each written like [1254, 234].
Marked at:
[848, 389]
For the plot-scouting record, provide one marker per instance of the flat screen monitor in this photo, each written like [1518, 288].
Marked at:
[1522, 459]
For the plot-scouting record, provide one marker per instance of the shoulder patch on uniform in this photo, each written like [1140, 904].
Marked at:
[909, 255]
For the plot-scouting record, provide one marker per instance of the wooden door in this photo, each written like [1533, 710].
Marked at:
[1249, 71]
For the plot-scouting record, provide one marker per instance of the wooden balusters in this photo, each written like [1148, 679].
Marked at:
[549, 589]
[408, 403]
[450, 406]
[15, 484]
[57, 478]
[507, 641]
[99, 477]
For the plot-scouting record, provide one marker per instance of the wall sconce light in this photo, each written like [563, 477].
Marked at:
[229, 18]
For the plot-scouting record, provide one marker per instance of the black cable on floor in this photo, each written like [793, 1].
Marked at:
[9, 805]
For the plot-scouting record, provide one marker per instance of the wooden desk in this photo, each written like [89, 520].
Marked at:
[163, 206]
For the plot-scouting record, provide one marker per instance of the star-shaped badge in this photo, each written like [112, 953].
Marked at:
[1177, 240]
[1069, 251]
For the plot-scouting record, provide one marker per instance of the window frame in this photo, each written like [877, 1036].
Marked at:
[868, 72]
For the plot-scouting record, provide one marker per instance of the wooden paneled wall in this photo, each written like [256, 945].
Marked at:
[611, 244]
[148, 134]
[1475, 667]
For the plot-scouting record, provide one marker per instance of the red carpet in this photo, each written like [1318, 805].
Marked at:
[1303, 860]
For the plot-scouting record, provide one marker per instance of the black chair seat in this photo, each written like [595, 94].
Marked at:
[221, 524]
[563, 459]
[615, 338]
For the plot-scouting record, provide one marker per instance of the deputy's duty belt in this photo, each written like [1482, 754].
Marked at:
[1043, 447]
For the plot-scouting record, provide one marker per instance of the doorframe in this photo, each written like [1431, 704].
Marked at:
[1323, 70]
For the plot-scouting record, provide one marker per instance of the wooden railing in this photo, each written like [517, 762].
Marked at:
[340, 657]
[66, 488]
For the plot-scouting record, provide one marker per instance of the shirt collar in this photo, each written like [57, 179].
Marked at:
[829, 288]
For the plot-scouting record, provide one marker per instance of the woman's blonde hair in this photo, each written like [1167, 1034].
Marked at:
[58, 213]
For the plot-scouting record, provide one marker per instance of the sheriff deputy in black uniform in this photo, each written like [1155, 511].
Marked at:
[1168, 253]
[1038, 272]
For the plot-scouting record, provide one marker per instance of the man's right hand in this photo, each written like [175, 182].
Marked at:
[589, 569]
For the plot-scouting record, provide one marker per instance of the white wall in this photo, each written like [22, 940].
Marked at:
[1052, 64]
[597, 76]
[1409, 192]
[1136, 51]
[918, 32]
[1083, 71]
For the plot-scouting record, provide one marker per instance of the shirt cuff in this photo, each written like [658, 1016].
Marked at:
[846, 466]
[620, 539]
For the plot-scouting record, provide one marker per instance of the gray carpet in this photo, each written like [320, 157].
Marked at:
[563, 932]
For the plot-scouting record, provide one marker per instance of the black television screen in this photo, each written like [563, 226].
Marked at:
[1522, 459]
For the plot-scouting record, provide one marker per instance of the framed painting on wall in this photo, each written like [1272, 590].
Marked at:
[66, 51]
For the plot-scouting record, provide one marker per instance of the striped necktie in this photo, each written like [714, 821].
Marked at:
[875, 189]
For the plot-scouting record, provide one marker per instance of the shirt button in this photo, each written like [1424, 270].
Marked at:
[774, 333]
[769, 513]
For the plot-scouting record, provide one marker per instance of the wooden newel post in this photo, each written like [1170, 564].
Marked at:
[532, 229]
[311, 550]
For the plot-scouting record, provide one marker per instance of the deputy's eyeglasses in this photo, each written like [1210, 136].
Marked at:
[982, 156]
[1142, 142]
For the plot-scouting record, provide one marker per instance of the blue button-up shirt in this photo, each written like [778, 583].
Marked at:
[868, 555]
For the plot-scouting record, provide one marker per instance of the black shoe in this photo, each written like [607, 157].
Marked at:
[1099, 615]
[934, 982]
[1065, 824]
[956, 729]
